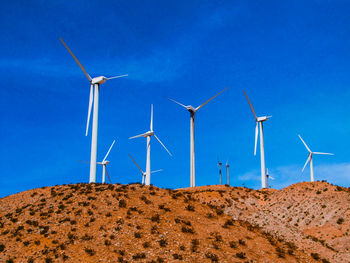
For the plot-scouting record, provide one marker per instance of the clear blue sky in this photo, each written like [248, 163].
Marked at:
[292, 58]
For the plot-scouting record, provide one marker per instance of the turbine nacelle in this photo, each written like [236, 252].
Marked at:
[191, 109]
[263, 118]
[98, 80]
[149, 133]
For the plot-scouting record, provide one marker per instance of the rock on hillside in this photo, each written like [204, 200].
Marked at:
[131, 223]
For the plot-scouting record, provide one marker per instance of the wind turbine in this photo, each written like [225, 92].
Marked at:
[309, 158]
[193, 112]
[104, 164]
[267, 177]
[142, 172]
[228, 173]
[148, 136]
[259, 126]
[94, 98]
[219, 164]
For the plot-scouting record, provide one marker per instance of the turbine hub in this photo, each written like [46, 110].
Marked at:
[149, 133]
[190, 108]
[99, 80]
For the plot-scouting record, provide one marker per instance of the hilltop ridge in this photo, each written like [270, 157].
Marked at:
[128, 223]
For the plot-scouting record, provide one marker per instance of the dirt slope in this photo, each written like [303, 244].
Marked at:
[134, 223]
[314, 216]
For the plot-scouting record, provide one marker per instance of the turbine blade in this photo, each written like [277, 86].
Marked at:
[200, 106]
[108, 175]
[116, 77]
[91, 98]
[272, 178]
[151, 125]
[308, 159]
[138, 136]
[256, 137]
[136, 164]
[76, 60]
[304, 143]
[250, 104]
[156, 171]
[178, 103]
[108, 151]
[162, 144]
[323, 153]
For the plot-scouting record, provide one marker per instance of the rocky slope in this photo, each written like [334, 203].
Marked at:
[135, 223]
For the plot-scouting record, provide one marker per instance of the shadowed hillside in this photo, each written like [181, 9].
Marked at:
[134, 223]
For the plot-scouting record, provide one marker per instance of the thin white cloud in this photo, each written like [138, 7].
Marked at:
[338, 174]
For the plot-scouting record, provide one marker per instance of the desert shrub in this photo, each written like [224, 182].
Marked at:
[143, 198]
[163, 207]
[163, 242]
[48, 260]
[137, 235]
[229, 222]
[139, 256]
[190, 208]
[30, 260]
[195, 244]
[340, 221]
[155, 218]
[241, 255]
[2, 247]
[146, 244]
[241, 242]
[122, 203]
[233, 244]
[177, 256]
[186, 229]
[212, 257]
[10, 260]
[108, 242]
[325, 260]
[280, 252]
[26, 243]
[315, 256]
[182, 247]
[90, 251]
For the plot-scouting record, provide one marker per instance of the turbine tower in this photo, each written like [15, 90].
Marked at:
[142, 172]
[259, 127]
[309, 158]
[148, 159]
[219, 164]
[228, 172]
[193, 112]
[94, 98]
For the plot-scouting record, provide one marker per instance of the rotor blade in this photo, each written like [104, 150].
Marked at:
[76, 60]
[108, 151]
[304, 143]
[272, 178]
[136, 164]
[83, 161]
[162, 144]
[323, 153]
[138, 136]
[151, 125]
[256, 137]
[91, 98]
[250, 104]
[156, 171]
[308, 159]
[116, 77]
[200, 106]
[108, 175]
[178, 103]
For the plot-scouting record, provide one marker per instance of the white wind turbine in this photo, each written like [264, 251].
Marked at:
[228, 172]
[193, 112]
[94, 98]
[142, 172]
[259, 126]
[309, 158]
[148, 136]
[268, 177]
[219, 165]
[104, 164]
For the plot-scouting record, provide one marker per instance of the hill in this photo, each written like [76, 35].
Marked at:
[135, 223]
